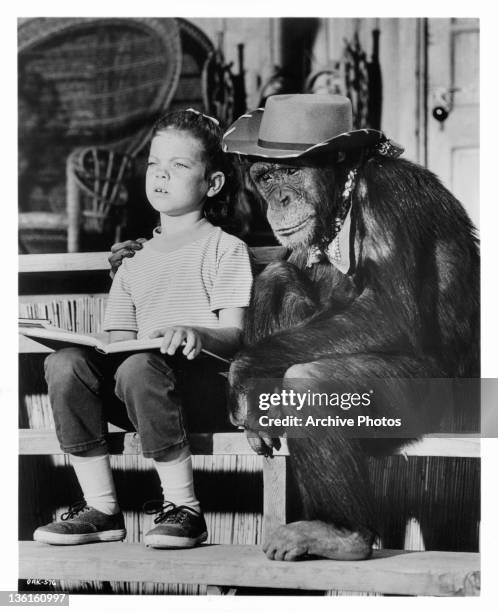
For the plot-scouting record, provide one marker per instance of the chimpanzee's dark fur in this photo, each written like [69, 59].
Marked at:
[409, 309]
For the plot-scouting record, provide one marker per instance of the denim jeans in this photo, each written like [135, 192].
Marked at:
[155, 395]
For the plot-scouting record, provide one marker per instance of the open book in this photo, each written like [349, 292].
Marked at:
[56, 338]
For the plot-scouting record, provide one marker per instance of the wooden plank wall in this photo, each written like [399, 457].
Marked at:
[400, 60]
[400, 65]
[260, 37]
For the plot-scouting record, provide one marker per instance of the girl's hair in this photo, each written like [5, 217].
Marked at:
[222, 209]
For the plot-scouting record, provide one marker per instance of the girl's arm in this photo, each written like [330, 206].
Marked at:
[226, 339]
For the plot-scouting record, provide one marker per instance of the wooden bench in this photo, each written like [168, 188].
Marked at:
[224, 567]
[389, 571]
[409, 573]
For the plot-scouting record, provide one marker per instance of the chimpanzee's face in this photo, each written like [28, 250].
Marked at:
[291, 191]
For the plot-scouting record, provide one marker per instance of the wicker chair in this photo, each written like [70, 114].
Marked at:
[96, 84]
[196, 50]
[96, 192]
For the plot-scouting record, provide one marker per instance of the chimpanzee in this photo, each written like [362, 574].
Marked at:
[382, 281]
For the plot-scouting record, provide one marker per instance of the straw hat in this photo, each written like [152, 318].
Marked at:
[294, 125]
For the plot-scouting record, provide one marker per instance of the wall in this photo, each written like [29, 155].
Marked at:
[400, 65]
[260, 37]
[399, 58]
[418, 57]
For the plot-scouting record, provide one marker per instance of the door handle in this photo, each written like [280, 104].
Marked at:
[442, 103]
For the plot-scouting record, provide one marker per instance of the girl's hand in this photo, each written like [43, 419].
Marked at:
[175, 336]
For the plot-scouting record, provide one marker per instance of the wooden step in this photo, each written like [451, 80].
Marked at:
[389, 571]
[44, 442]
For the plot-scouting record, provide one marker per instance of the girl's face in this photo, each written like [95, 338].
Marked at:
[176, 181]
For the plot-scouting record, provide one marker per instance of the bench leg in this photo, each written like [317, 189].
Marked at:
[274, 493]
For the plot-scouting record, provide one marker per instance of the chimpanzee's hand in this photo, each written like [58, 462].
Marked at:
[261, 443]
[235, 374]
[241, 370]
[121, 250]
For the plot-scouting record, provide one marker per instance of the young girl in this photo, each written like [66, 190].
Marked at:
[189, 285]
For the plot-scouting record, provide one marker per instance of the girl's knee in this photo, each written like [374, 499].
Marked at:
[66, 363]
[140, 368]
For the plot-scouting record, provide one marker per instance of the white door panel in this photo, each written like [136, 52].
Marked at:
[453, 145]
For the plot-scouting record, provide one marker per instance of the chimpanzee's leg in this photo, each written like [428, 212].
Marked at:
[283, 296]
[328, 466]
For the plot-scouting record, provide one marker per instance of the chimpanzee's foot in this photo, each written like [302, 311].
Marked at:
[292, 541]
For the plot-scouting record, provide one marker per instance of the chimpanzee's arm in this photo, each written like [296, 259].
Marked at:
[362, 328]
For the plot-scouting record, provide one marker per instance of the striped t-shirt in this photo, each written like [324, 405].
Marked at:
[181, 285]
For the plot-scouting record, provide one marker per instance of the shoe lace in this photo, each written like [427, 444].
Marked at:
[74, 510]
[168, 512]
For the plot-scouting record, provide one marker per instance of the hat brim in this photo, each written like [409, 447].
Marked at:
[242, 139]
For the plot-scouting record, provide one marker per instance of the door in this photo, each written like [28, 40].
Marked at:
[453, 86]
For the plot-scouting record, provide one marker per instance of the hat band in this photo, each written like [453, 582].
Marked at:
[293, 146]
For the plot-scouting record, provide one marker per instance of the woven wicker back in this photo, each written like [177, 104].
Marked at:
[196, 48]
[104, 81]
[86, 82]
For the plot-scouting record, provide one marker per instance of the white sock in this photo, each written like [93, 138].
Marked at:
[95, 478]
[177, 480]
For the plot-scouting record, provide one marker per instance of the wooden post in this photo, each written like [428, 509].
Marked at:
[73, 207]
[274, 493]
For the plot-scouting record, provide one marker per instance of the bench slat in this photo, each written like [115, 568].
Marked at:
[86, 262]
[395, 572]
[63, 262]
[44, 442]
[440, 445]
